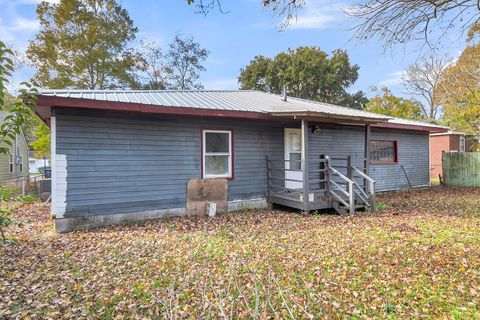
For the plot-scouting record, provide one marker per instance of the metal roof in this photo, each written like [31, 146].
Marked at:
[232, 100]
[408, 122]
[238, 100]
[457, 133]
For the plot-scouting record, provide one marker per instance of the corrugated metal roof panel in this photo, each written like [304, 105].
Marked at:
[415, 123]
[237, 100]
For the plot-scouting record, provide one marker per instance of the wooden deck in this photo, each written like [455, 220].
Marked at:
[295, 200]
[344, 193]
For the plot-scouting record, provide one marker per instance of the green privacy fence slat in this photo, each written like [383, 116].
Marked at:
[461, 169]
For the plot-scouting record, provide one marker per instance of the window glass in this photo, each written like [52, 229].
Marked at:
[295, 161]
[382, 151]
[11, 164]
[216, 165]
[462, 144]
[295, 142]
[216, 142]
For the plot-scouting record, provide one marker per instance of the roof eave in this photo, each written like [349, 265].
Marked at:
[45, 103]
[329, 117]
[417, 127]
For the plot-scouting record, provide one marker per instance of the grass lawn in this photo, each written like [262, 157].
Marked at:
[417, 258]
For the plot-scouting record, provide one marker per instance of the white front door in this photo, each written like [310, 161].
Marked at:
[293, 158]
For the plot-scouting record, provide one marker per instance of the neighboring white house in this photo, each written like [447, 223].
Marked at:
[35, 163]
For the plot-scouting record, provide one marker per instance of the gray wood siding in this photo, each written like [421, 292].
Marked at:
[341, 141]
[5, 174]
[413, 154]
[122, 162]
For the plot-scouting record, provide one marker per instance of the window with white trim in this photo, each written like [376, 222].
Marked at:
[217, 154]
[11, 163]
[462, 144]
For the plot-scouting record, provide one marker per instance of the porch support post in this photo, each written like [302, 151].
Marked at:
[305, 157]
[367, 155]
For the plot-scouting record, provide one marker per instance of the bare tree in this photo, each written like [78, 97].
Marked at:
[151, 65]
[401, 21]
[422, 79]
[205, 6]
[284, 8]
[184, 62]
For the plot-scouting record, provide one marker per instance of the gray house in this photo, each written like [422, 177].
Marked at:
[14, 165]
[129, 155]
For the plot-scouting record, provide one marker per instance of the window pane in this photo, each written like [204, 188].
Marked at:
[295, 142]
[294, 164]
[216, 165]
[383, 151]
[216, 142]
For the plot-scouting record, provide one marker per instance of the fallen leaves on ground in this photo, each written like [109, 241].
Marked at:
[419, 258]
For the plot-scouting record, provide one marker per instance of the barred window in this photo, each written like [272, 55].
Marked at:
[383, 151]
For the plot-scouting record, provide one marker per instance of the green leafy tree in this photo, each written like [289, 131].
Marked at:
[254, 76]
[308, 72]
[83, 44]
[31, 119]
[184, 63]
[463, 115]
[459, 89]
[20, 108]
[388, 104]
[42, 143]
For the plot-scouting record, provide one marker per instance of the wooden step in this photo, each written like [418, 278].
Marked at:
[341, 209]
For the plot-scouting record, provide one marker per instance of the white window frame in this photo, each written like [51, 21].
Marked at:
[229, 174]
[11, 163]
[462, 144]
[287, 132]
[20, 163]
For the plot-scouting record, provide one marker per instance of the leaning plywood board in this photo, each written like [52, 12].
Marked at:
[202, 191]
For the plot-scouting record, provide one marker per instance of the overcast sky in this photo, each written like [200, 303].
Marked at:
[234, 38]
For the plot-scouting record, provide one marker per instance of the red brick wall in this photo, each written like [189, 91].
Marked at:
[438, 144]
